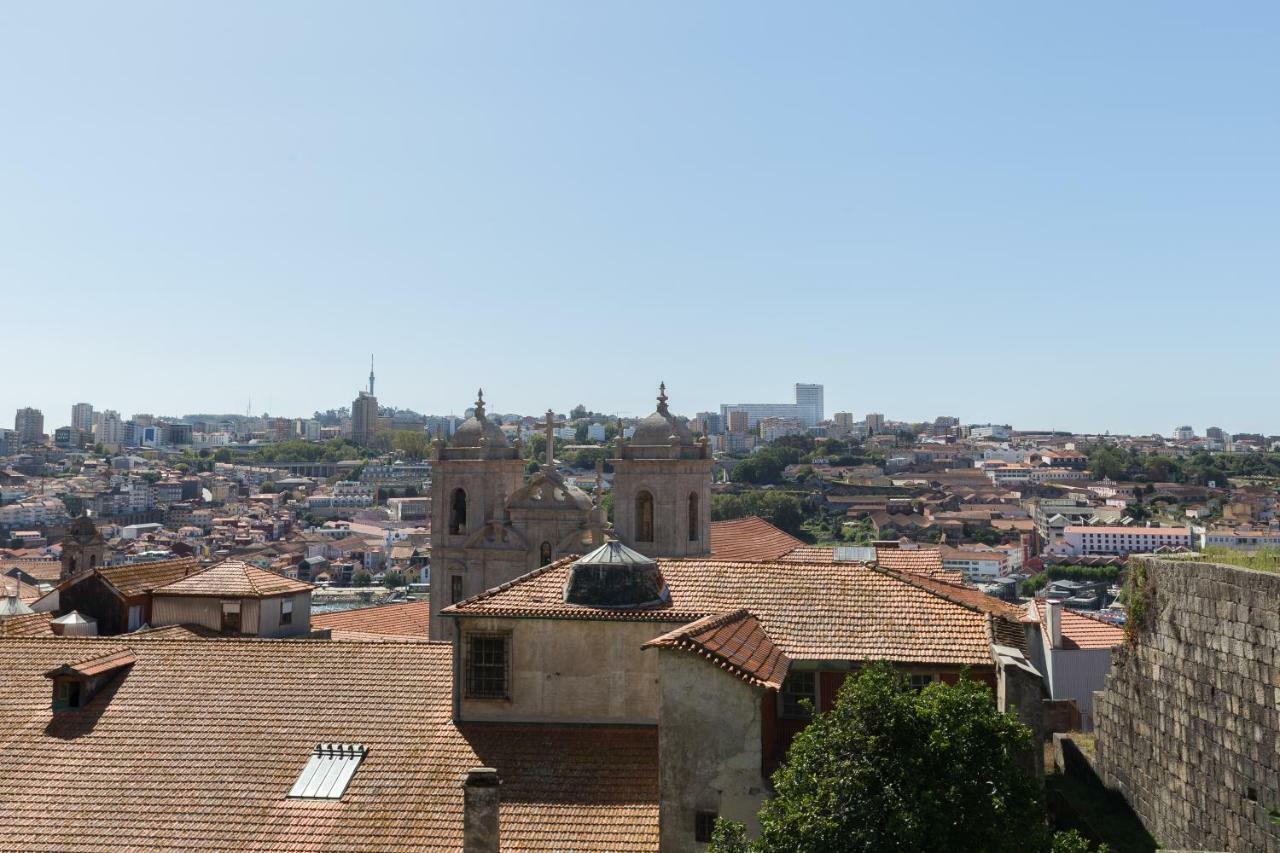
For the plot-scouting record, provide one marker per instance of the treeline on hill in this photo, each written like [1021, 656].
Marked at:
[780, 509]
[297, 450]
[764, 467]
[1200, 468]
[1033, 584]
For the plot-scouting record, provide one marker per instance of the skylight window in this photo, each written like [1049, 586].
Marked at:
[328, 771]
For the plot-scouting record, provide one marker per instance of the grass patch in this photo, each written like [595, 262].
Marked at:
[1264, 559]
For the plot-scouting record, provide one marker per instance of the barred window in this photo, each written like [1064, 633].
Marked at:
[488, 666]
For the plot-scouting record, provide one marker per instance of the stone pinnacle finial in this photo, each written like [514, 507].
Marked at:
[480, 404]
[662, 397]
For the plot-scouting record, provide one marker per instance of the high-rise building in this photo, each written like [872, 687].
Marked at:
[1184, 433]
[1215, 434]
[82, 418]
[713, 422]
[811, 396]
[364, 418]
[29, 425]
[738, 422]
[875, 423]
[110, 428]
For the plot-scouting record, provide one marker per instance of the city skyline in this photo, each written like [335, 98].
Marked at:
[1016, 216]
[53, 420]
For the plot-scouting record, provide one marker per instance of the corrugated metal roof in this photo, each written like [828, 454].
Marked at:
[328, 771]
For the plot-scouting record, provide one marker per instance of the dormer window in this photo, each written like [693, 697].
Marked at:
[67, 693]
[74, 684]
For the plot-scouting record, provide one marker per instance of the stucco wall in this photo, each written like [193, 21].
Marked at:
[188, 610]
[709, 747]
[1187, 725]
[572, 670]
[269, 616]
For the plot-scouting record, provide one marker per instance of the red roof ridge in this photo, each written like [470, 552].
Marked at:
[96, 664]
[503, 587]
[930, 585]
[736, 642]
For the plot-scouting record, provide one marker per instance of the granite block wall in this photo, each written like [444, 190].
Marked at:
[1187, 724]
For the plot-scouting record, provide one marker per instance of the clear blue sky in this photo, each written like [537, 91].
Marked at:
[1054, 215]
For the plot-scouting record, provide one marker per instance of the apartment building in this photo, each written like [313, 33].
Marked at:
[1086, 540]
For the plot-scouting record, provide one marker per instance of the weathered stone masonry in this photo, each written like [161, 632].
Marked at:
[1187, 725]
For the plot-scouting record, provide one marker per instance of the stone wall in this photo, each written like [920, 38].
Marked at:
[1187, 723]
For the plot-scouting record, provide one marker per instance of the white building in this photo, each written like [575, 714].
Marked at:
[82, 418]
[811, 395]
[595, 432]
[110, 429]
[1240, 540]
[975, 565]
[1086, 540]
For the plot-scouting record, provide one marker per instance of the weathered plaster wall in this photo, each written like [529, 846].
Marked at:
[1187, 725]
[709, 748]
[573, 671]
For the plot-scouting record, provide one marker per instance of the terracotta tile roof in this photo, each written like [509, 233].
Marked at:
[235, 579]
[1080, 631]
[750, 538]
[925, 561]
[42, 571]
[140, 578]
[195, 746]
[96, 664]
[734, 642]
[26, 625]
[837, 611]
[407, 619]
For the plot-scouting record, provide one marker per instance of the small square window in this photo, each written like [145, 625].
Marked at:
[704, 825]
[286, 611]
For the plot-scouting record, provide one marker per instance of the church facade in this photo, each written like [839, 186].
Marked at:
[489, 526]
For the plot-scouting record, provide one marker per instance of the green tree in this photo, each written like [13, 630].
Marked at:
[361, 578]
[778, 508]
[580, 433]
[414, 444]
[1108, 461]
[760, 469]
[579, 411]
[268, 487]
[393, 579]
[222, 454]
[889, 768]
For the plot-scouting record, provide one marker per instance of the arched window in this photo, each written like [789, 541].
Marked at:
[644, 517]
[458, 512]
[93, 562]
[693, 516]
[544, 554]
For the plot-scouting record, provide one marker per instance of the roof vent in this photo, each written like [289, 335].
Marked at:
[614, 576]
[328, 771]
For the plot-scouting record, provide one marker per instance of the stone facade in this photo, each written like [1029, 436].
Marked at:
[489, 527]
[1187, 724]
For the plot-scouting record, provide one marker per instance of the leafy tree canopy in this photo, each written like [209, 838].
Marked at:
[893, 769]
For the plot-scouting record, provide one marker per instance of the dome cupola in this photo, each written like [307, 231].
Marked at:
[616, 577]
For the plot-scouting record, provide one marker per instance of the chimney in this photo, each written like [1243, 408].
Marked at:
[1053, 622]
[480, 798]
